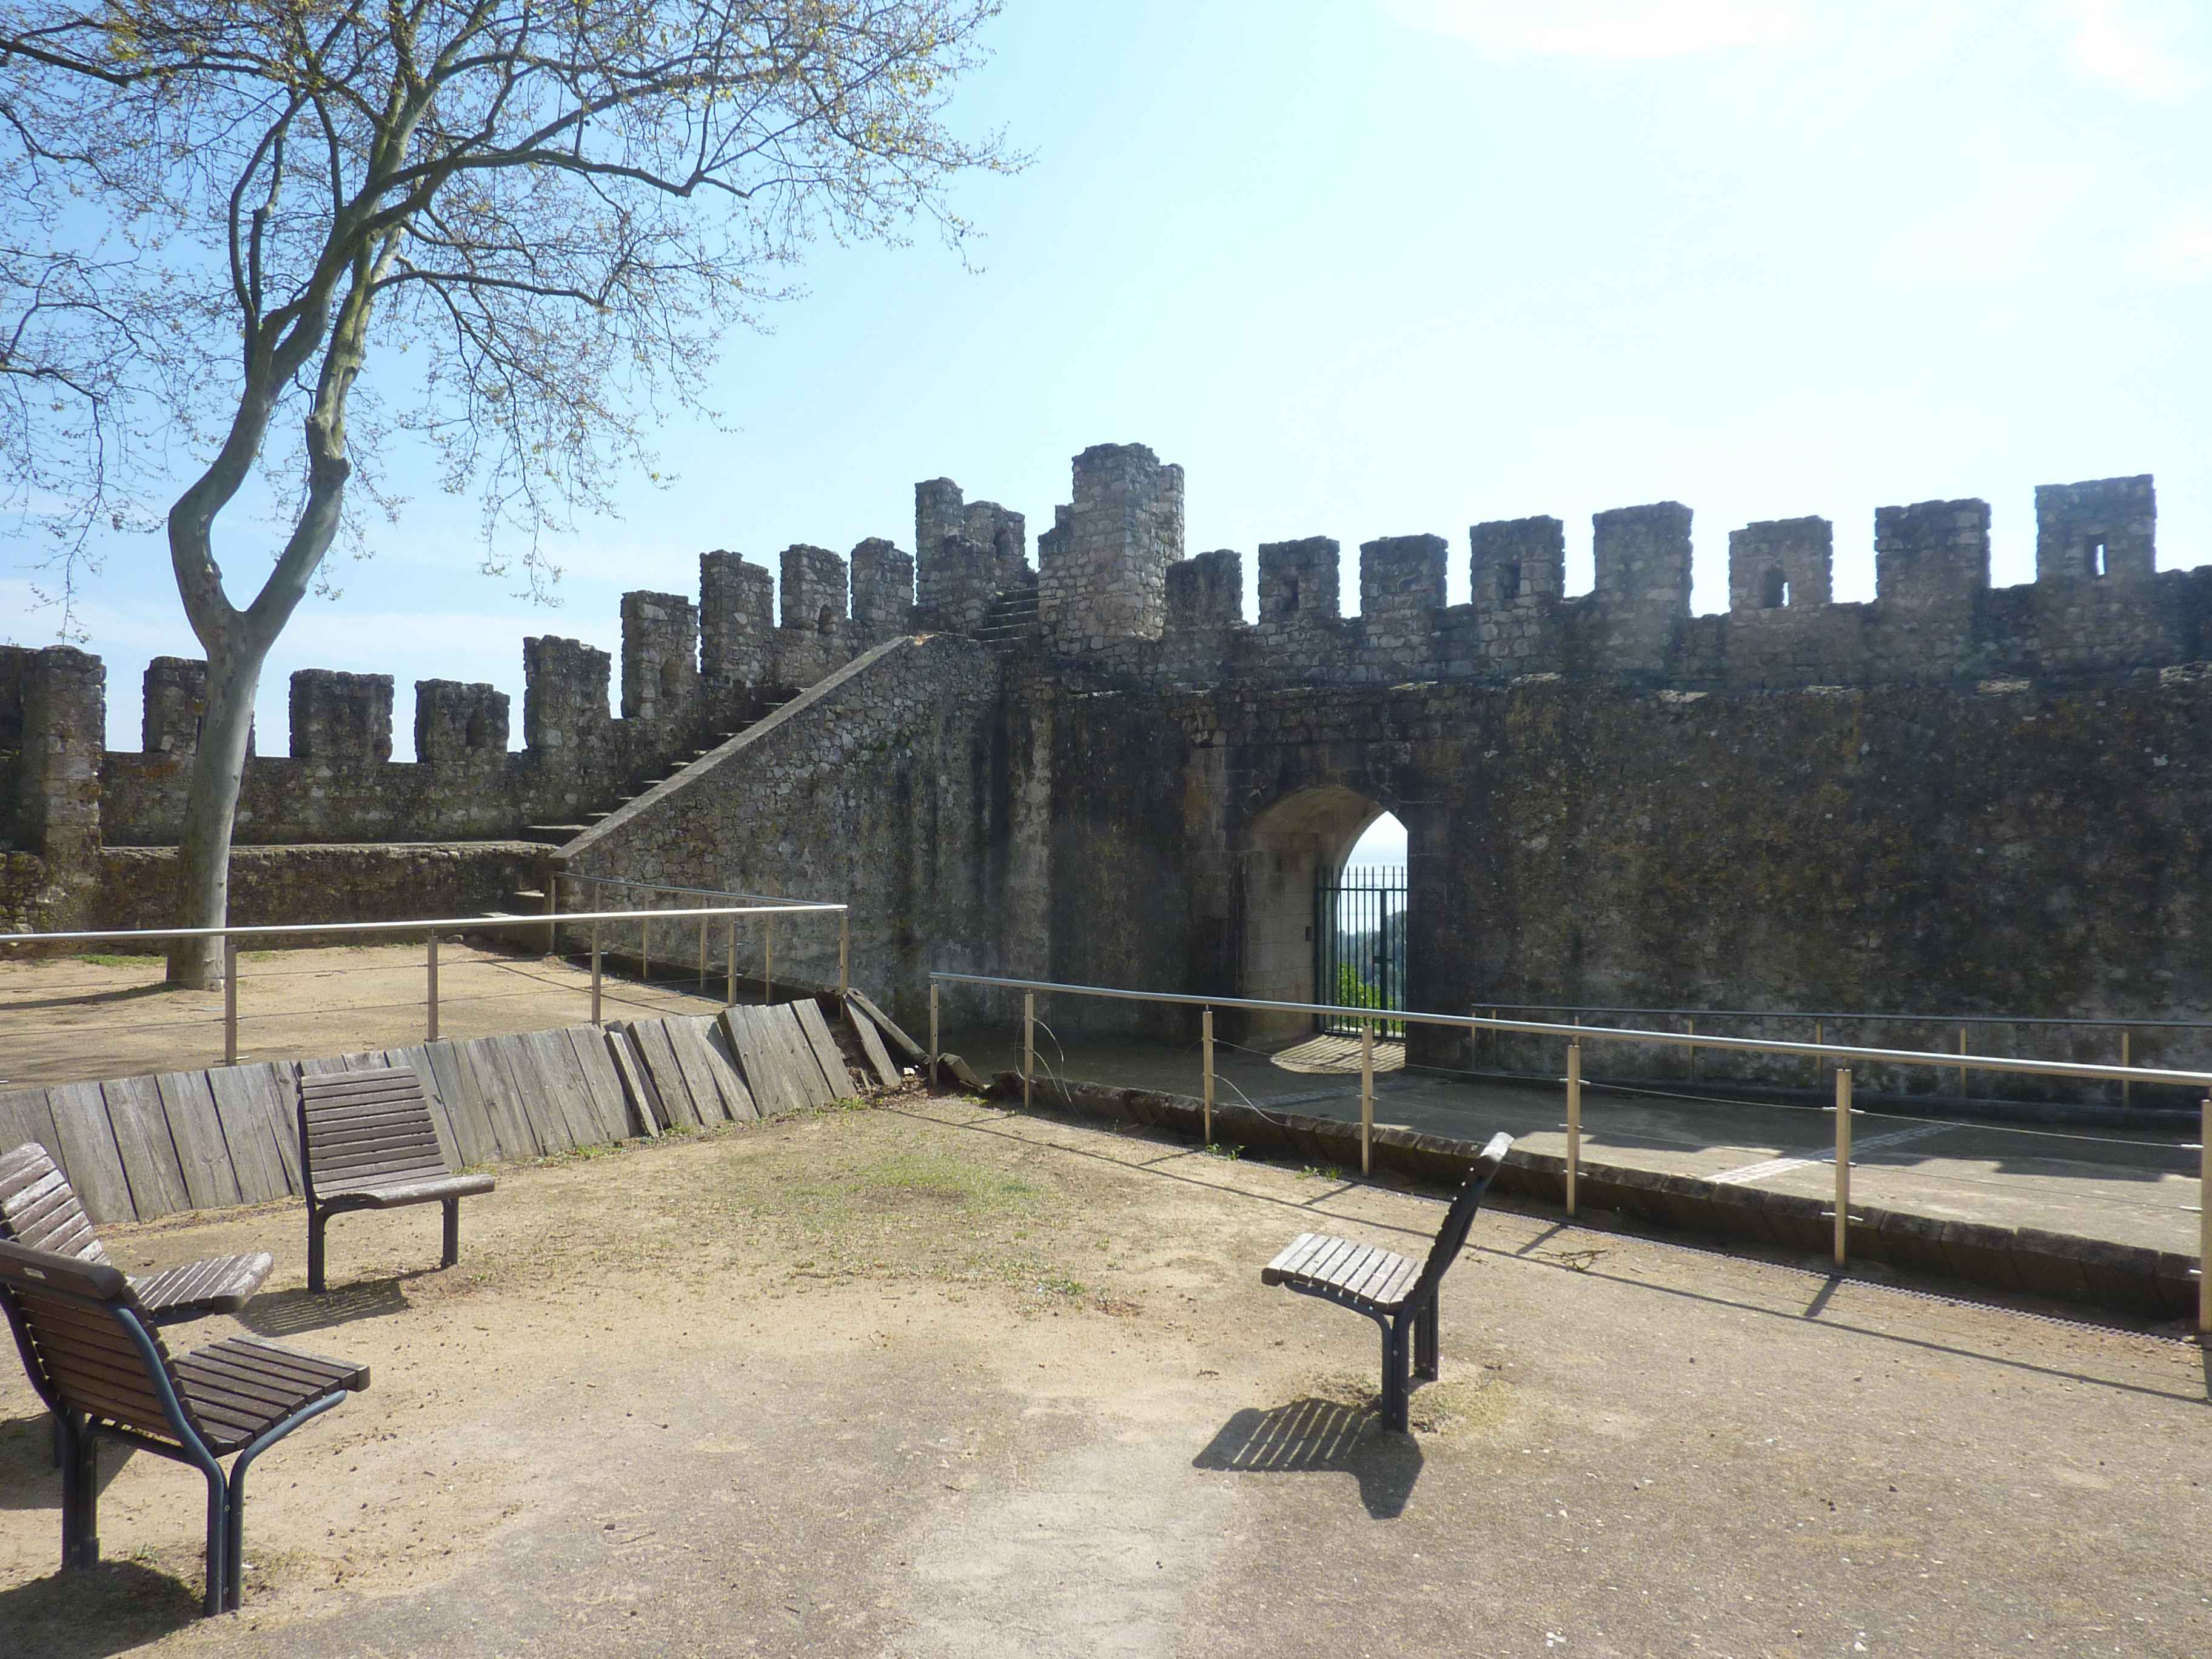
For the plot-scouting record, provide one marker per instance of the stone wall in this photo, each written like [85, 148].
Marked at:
[2029, 850]
[268, 885]
[883, 786]
[1949, 798]
[688, 674]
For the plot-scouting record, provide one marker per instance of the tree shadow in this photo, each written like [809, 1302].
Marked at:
[96, 1612]
[294, 1313]
[96, 999]
[1313, 1436]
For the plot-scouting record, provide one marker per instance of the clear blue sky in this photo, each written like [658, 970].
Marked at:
[1370, 267]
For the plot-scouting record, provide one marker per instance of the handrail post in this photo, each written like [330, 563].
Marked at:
[1366, 1096]
[1574, 1121]
[933, 1032]
[702, 954]
[595, 973]
[1205, 1049]
[1693, 1051]
[844, 954]
[1816, 1058]
[645, 950]
[2204, 1223]
[430, 1024]
[1028, 1044]
[1962, 1070]
[730, 961]
[767, 960]
[229, 1000]
[2125, 1060]
[1843, 1164]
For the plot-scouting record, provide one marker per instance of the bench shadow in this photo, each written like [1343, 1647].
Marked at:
[111, 1608]
[29, 1477]
[1320, 1437]
[296, 1312]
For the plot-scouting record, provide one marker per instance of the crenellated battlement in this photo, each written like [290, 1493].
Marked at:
[2097, 604]
[691, 671]
[1112, 590]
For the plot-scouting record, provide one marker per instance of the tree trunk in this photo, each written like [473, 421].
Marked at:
[202, 893]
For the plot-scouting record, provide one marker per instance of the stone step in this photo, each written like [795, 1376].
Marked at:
[553, 835]
[525, 899]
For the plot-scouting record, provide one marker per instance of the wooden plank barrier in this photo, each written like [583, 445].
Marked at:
[139, 1147]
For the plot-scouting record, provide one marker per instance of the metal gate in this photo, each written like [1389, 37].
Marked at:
[1360, 945]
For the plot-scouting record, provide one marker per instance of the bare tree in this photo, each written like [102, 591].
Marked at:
[231, 208]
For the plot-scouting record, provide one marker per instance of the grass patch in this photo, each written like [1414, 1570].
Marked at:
[115, 959]
[866, 1196]
[910, 1182]
[1216, 1149]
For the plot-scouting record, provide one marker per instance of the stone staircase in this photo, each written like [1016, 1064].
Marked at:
[560, 835]
[1011, 621]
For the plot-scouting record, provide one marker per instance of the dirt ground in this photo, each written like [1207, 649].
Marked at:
[934, 1379]
[110, 1016]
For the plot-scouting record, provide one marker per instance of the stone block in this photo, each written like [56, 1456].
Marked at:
[1931, 553]
[341, 720]
[459, 724]
[1206, 590]
[2104, 527]
[1401, 575]
[1781, 562]
[737, 616]
[883, 590]
[660, 656]
[564, 698]
[1300, 581]
[813, 589]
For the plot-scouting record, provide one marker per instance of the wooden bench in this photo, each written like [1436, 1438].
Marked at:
[366, 1142]
[1397, 1292]
[96, 1359]
[39, 1208]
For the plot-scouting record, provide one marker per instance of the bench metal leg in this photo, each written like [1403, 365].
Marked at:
[319, 1222]
[1427, 1340]
[452, 1232]
[234, 1543]
[80, 1493]
[1396, 1385]
[218, 1545]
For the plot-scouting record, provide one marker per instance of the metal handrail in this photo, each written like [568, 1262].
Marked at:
[412, 924]
[1573, 1036]
[1901, 1020]
[1616, 1033]
[431, 926]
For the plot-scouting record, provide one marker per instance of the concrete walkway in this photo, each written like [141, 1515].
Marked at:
[2130, 1186]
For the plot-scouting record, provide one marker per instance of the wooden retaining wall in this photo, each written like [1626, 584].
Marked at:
[138, 1147]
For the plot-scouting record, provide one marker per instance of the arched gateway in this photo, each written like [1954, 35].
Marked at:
[1289, 940]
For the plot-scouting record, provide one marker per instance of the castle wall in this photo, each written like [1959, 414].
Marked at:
[1948, 797]
[883, 786]
[2029, 850]
[353, 882]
